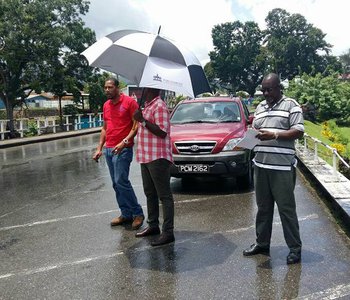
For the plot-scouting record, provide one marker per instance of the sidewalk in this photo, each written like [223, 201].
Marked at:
[46, 137]
[333, 186]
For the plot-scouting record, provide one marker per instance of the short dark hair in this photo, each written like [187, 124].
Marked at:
[115, 80]
[273, 77]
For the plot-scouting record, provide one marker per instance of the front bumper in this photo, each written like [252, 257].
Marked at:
[230, 163]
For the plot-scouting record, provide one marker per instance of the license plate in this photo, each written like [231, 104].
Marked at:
[193, 168]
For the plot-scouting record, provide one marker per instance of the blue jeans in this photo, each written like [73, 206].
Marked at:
[119, 166]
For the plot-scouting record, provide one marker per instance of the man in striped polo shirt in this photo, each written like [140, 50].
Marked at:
[279, 121]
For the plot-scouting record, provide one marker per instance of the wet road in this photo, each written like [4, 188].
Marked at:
[56, 242]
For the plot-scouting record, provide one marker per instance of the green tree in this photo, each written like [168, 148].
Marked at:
[95, 90]
[94, 87]
[327, 94]
[237, 59]
[345, 61]
[42, 40]
[294, 45]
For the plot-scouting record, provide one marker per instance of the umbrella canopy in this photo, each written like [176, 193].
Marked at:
[149, 60]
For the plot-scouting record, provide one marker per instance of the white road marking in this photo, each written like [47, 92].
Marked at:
[43, 222]
[104, 212]
[16, 210]
[60, 265]
[56, 220]
[26, 272]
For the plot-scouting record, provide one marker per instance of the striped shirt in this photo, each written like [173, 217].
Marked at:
[284, 115]
[149, 146]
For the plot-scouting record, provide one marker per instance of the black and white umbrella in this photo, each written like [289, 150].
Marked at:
[149, 60]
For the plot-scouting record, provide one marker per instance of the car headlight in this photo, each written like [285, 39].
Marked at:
[231, 145]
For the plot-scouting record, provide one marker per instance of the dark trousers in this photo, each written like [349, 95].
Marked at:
[276, 186]
[156, 186]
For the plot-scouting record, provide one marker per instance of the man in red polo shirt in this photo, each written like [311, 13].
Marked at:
[155, 156]
[117, 138]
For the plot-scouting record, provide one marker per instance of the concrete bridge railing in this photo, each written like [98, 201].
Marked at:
[311, 153]
[50, 123]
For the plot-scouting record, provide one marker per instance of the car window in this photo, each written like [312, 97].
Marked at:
[215, 112]
[189, 112]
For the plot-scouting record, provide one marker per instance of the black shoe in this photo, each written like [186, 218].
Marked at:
[148, 231]
[163, 239]
[293, 258]
[256, 249]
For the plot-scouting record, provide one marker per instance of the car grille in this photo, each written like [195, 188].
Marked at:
[195, 147]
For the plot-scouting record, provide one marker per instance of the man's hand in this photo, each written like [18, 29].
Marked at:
[265, 135]
[118, 148]
[97, 155]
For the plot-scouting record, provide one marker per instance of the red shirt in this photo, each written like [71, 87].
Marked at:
[119, 119]
[149, 146]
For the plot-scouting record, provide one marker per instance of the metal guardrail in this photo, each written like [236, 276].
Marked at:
[44, 123]
[316, 157]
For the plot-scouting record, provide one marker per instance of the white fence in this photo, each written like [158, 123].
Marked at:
[50, 124]
[310, 149]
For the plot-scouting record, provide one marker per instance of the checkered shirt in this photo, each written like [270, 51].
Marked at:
[149, 146]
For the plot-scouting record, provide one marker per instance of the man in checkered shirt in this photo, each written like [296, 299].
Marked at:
[155, 156]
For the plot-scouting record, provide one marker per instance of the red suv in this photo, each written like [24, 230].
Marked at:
[204, 135]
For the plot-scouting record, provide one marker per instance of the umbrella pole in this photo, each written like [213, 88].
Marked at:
[142, 100]
[140, 108]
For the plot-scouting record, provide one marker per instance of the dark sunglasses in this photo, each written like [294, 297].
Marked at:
[269, 89]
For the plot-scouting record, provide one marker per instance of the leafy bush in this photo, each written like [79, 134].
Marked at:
[32, 128]
[70, 109]
[2, 114]
[328, 95]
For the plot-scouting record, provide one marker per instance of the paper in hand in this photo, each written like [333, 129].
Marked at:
[249, 140]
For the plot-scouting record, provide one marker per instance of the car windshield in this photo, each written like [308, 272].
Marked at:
[204, 112]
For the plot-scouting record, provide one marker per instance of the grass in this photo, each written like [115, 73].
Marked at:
[314, 130]
[345, 131]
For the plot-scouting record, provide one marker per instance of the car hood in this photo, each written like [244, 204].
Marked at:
[206, 131]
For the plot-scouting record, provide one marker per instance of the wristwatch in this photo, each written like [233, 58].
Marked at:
[126, 141]
[143, 123]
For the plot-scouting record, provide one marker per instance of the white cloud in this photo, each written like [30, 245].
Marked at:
[190, 22]
[329, 16]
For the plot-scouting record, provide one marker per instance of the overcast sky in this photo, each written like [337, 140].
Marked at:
[190, 21]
